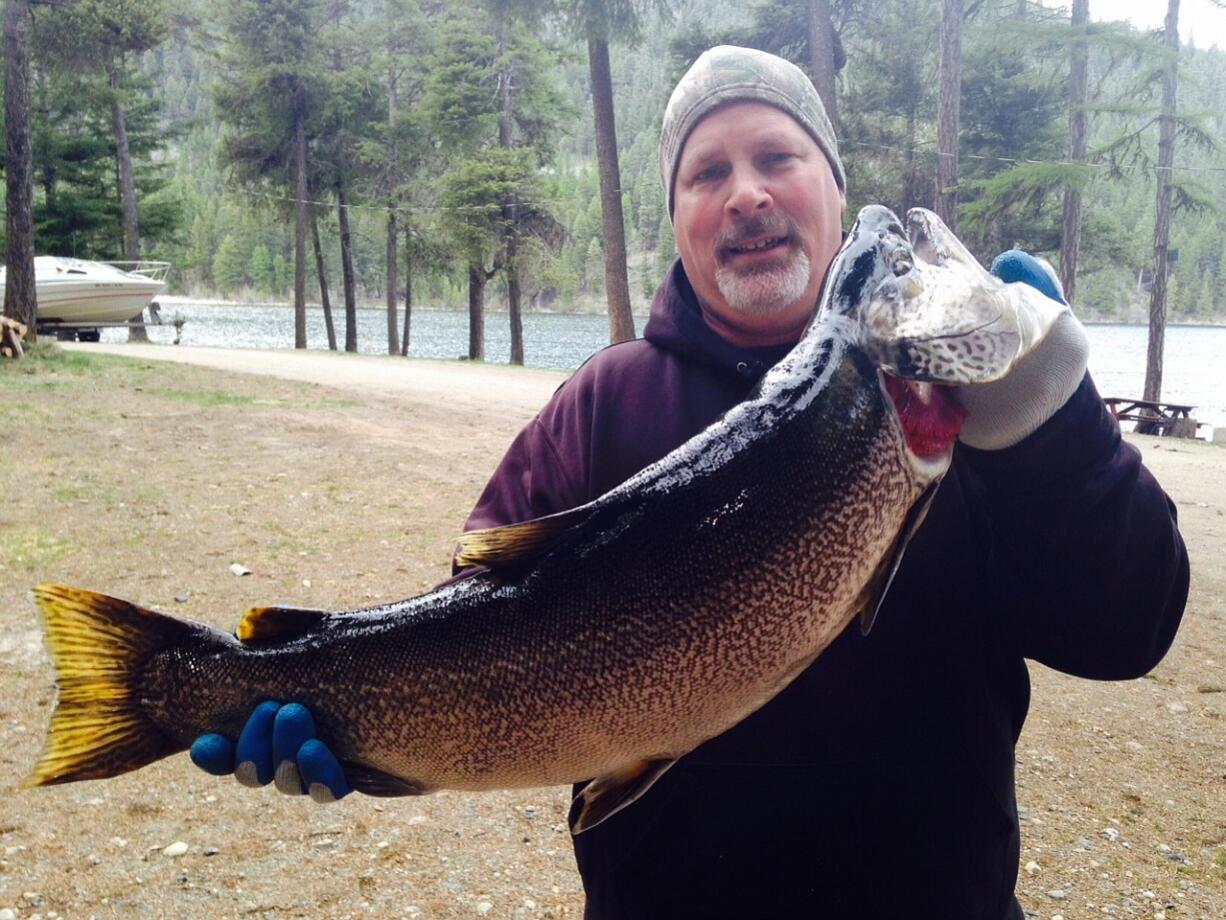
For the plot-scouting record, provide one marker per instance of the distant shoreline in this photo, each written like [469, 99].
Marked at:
[172, 300]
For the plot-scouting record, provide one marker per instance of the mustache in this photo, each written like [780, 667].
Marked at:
[755, 227]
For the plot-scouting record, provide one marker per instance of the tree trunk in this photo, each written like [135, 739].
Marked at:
[323, 281]
[351, 301]
[127, 194]
[393, 335]
[616, 281]
[510, 214]
[476, 311]
[408, 291]
[1162, 226]
[513, 308]
[20, 298]
[300, 220]
[392, 176]
[1070, 240]
[821, 57]
[949, 113]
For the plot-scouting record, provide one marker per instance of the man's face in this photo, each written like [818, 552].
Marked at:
[757, 216]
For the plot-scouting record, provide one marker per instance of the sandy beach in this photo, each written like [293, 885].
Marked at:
[340, 481]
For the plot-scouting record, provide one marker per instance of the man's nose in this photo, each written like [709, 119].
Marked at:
[749, 194]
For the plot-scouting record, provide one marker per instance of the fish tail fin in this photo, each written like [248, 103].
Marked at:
[97, 645]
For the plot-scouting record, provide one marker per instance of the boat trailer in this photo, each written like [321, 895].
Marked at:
[91, 332]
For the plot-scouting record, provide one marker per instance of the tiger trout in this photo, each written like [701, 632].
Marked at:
[605, 642]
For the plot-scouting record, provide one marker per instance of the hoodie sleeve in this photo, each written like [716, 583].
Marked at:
[1085, 552]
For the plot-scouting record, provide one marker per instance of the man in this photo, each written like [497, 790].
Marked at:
[880, 783]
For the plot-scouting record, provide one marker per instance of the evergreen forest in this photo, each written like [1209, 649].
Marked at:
[467, 126]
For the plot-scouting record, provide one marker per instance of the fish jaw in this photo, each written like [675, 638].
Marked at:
[929, 416]
[944, 319]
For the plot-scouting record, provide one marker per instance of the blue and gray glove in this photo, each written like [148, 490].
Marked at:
[277, 745]
[1002, 413]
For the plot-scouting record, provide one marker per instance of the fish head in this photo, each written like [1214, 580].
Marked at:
[941, 318]
[930, 317]
[870, 270]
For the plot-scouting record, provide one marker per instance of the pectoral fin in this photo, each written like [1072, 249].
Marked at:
[607, 795]
[879, 584]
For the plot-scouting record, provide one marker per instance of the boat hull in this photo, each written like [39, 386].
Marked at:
[94, 303]
[77, 292]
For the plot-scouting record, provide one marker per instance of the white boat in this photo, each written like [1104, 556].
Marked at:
[76, 293]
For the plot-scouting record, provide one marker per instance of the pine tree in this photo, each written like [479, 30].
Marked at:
[273, 88]
[230, 264]
[260, 270]
[491, 194]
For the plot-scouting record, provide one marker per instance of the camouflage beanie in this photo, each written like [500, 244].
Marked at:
[727, 74]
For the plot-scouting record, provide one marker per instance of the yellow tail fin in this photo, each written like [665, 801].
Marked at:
[98, 645]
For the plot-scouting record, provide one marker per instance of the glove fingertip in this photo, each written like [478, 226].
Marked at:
[292, 728]
[321, 772]
[1015, 265]
[213, 754]
[253, 755]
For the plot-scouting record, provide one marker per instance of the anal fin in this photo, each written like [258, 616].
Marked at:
[370, 781]
[609, 794]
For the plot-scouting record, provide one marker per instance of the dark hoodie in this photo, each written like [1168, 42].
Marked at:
[879, 784]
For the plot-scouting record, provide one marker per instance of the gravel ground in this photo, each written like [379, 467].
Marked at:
[344, 485]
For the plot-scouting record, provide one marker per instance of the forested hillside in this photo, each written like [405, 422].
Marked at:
[440, 112]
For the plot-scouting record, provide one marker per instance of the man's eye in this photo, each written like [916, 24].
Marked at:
[775, 159]
[709, 174]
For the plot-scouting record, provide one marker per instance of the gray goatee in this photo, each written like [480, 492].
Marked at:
[768, 288]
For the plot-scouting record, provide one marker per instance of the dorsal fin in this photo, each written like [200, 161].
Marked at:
[260, 624]
[514, 545]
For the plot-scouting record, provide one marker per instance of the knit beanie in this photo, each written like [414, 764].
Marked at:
[727, 74]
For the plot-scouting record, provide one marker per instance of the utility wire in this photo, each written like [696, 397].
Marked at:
[928, 151]
[925, 151]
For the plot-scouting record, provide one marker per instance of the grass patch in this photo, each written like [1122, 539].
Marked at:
[77, 490]
[210, 398]
[215, 398]
[45, 357]
[47, 368]
[30, 551]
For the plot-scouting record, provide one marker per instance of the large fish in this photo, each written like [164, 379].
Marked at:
[609, 640]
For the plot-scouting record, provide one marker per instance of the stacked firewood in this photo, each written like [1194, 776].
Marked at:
[11, 334]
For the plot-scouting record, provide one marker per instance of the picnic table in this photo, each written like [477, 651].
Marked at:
[1154, 417]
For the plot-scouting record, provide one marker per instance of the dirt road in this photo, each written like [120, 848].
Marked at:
[464, 384]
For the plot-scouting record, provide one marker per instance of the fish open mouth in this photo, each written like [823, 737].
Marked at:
[931, 413]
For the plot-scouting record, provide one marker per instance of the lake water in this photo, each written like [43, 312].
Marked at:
[1194, 372]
